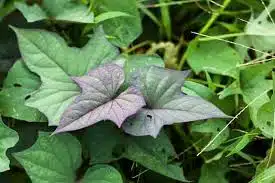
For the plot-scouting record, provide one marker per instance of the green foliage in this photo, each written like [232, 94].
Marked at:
[105, 70]
[8, 138]
[40, 161]
[102, 174]
[63, 10]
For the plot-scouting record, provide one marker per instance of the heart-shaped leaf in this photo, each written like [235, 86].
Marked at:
[52, 158]
[122, 30]
[48, 55]
[165, 103]
[8, 138]
[18, 85]
[98, 100]
[64, 10]
[102, 174]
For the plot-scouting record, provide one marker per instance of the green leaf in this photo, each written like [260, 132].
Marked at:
[123, 30]
[220, 58]
[254, 85]
[154, 154]
[261, 30]
[102, 174]
[196, 89]
[52, 159]
[8, 139]
[109, 15]
[210, 129]
[47, 55]
[242, 142]
[64, 10]
[214, 172]
[18, 85]
[267, 176]
[101, 147]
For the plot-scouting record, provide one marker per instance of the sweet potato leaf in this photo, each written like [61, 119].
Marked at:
[123, 30]
[220, 58]
[63, 10]
[166, 104]
[155, 154]
[18, 85]
[98, 100]
[102, 174]
[8, 138]
[102, 147]
[214, 172]
[52, 158]
[47, 55]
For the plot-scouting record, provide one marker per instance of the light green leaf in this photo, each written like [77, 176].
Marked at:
[102, 174]
[242, 142]
[267, 176]
[52, 159]
[254, 85]
[154, 154]
[64, 10]
[220, 58]
[101, 141]
[261, 30]
[195, 89]
[8, 139]
[109, 15]
[214, 172]
[18, 85]
[123, 30]
[48, 55]
[210, 129]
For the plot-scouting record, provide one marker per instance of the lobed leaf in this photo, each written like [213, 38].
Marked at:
[18, 86]
[98, 100]
[8, 139]
[52, 159]
[166, 104]
[47, 55]
[102, 174]
[63, 10]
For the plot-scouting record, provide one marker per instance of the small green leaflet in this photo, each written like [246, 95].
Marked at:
[52, 158]
[211, 127]
[18, 85]
[166, 104]
[102, 174]
[48, 55]
[122, 30]
[63, 10]
[8, 139]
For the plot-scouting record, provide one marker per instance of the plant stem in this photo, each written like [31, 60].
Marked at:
[205, 28]
[222, 36]
[205, 82]
[166, 20]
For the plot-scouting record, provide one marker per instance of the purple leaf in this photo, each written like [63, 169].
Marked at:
[166, 104]
[98, 100]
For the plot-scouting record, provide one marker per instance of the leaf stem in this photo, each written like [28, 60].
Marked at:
[222, 36]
